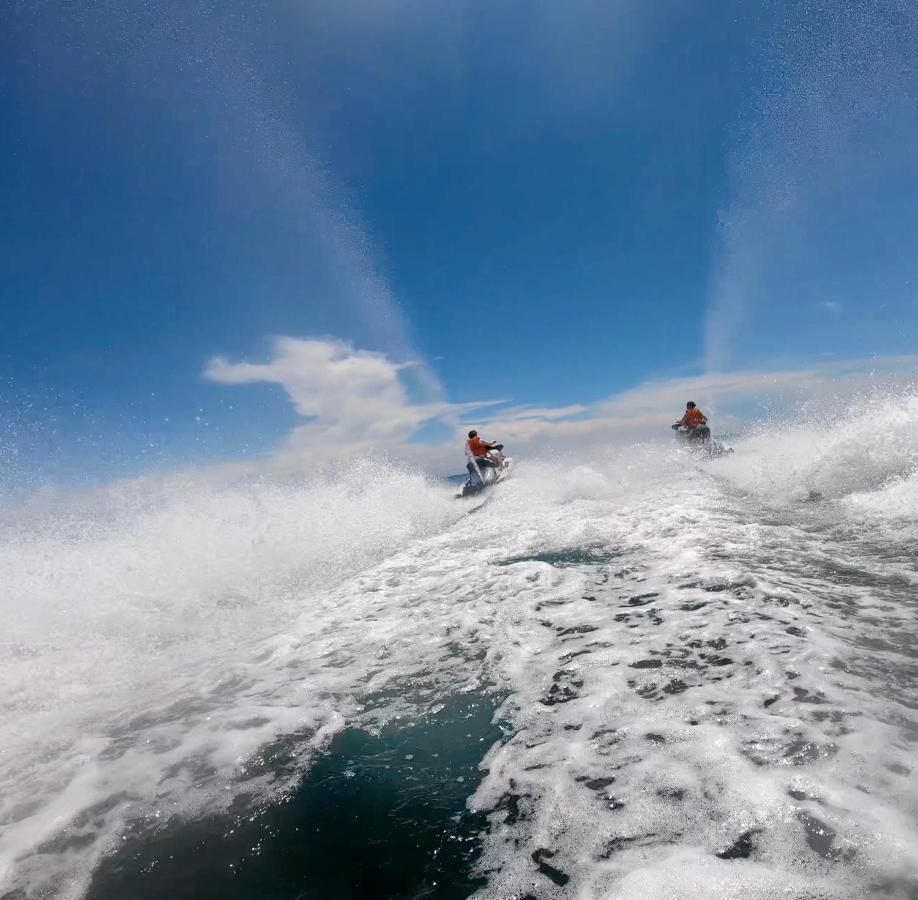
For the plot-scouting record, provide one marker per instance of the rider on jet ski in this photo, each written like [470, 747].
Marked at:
[692, 429]
[480, 450]
[693, 417]
[481, 456]
[693, 426]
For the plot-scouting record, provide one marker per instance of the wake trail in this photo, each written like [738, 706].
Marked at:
[702, 680]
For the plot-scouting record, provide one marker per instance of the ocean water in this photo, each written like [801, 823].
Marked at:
[631, 674]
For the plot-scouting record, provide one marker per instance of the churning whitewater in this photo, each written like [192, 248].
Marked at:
[703, 673]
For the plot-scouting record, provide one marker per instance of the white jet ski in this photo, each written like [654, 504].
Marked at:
[483, 477]
[699, 440]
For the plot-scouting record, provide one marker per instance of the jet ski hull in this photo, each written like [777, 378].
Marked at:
[490, 477]
[699, 440]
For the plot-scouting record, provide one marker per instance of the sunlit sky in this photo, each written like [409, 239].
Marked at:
[546, 204]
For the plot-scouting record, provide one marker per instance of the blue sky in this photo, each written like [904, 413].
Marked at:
[539, 202]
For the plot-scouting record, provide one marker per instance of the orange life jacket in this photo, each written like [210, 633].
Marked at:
[693, 417]
[476, 445]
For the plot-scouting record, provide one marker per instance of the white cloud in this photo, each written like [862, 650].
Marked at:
[522, 413]
[731, 399]
[355, 401]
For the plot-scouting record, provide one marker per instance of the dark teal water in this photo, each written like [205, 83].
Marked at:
[578, 556]
[377, 816]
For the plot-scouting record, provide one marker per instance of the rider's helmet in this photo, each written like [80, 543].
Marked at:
[472, 434]
[690, 405]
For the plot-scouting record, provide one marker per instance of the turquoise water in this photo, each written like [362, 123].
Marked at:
[573, 556]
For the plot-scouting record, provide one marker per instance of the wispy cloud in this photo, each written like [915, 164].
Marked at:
[354, 401]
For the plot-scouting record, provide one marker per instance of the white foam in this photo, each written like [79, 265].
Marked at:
[697, 769]
[746, 665]
[857, 448]
[134, 640]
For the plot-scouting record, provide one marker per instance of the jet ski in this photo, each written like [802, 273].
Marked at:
[483, 477]
[698, 439]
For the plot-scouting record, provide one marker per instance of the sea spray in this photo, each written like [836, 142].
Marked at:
[707, 687]
[134, 622]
